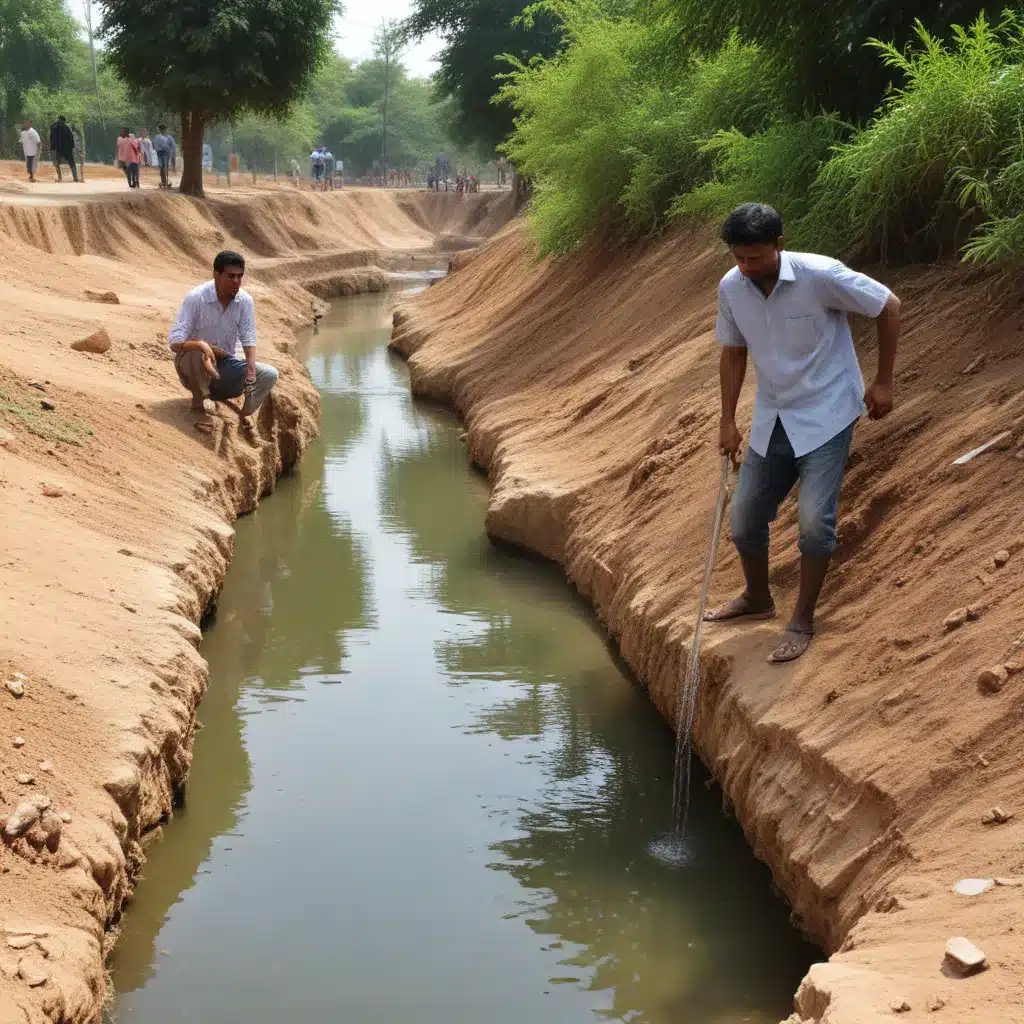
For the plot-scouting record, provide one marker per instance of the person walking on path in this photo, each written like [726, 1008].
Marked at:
[30, 148]
[163, 147]
[146, 148]
[62, 147]
[214, 341]
[128, 157]
[789, 311]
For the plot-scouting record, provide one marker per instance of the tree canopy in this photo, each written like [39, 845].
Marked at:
[216, 60]
[477, 33]
[36, 41]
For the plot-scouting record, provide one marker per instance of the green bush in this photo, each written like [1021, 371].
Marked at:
[610, 134]
[896, 189]
[775, 166]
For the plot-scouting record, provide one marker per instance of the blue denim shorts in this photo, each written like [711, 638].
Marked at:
[232, 378]
[766, 480]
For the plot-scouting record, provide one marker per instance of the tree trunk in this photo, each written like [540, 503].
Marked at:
[192, 125]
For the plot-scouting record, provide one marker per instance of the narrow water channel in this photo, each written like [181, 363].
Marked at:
[424, 792]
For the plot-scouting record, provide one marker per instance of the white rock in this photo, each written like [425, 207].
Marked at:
[964, 954]
[33, 970]
[15, 688]
[19, 741]
[973, 886]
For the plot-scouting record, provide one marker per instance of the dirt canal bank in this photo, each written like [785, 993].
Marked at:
[863, 775]
[115, 532]
[424, 790]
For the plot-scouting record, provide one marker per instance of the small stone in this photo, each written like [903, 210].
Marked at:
[52, 828]
[831, 696]
[5, 436]
[899, 1006]
[901, 581]
[1015, 666]
[955, 619]
[48, 406]
[98, 342]
[964, 955]
[129, 608]
[101, 296]
[19, 741]
[15, 687]
[25, 780]
[65, 817]
[125, 551]
[982, 761]
[33, 971]
[935, 1003]
[46, 766]
[21, 941]
[974, 365]
[996, 816]
[25, 815]
[1000, 558]
[973, 886]
[53, 491]
[38, 385]
[992, 680]
[974, 611]
[1010, 883]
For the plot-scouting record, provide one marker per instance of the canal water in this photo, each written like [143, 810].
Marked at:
[424, 791]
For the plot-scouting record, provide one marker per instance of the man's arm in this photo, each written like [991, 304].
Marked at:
[247, 336]
[878, 396]
[853, 292]
[180, 336]
[732, 368]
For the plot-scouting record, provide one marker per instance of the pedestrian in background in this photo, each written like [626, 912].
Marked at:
[30, 148]
[163, 146]
[62, 147]
[146, 148]
[128, 157]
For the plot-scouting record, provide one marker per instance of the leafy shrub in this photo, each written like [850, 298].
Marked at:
[775, 166]
[892, 190]
[610, 134]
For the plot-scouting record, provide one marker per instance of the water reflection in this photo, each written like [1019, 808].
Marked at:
[459, 830]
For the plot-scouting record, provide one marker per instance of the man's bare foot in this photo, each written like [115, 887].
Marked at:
[742, 608]
[795, 641]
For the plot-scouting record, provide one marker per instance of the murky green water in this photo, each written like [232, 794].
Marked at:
[425, 792]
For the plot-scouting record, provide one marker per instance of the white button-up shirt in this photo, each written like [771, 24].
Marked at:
[799, 339]
[203, 318]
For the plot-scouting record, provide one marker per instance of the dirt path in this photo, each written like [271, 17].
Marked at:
[116, 535]
[862, 773]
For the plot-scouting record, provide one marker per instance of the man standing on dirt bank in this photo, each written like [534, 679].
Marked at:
[789, 311]
[216, 321]
[30, 148]
[163, 146]
[62, 147]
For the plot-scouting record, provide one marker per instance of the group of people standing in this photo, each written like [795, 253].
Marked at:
[324, 169]
[132, 152]
[64, 144]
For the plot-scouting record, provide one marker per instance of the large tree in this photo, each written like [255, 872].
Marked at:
[477, 33]
[216, 59]
[37, 39]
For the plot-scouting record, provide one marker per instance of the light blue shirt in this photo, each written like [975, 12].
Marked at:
[203, 318]
[799, 339]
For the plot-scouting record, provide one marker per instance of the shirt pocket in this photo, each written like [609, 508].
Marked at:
[802, 336]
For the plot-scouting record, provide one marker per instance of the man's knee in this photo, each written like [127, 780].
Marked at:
[748, 523]
[190, 370]
[818, 534]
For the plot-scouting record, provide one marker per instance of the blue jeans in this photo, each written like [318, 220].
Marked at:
[163, 157]
[765, 481]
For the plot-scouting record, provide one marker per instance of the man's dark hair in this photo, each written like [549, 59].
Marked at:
[752, 224]
[228, 258]
[61, 118]
[161, 127]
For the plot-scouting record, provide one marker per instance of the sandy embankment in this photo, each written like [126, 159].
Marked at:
[862, 773]
[115, 534]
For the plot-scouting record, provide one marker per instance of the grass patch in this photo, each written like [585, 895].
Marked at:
[46, 424]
